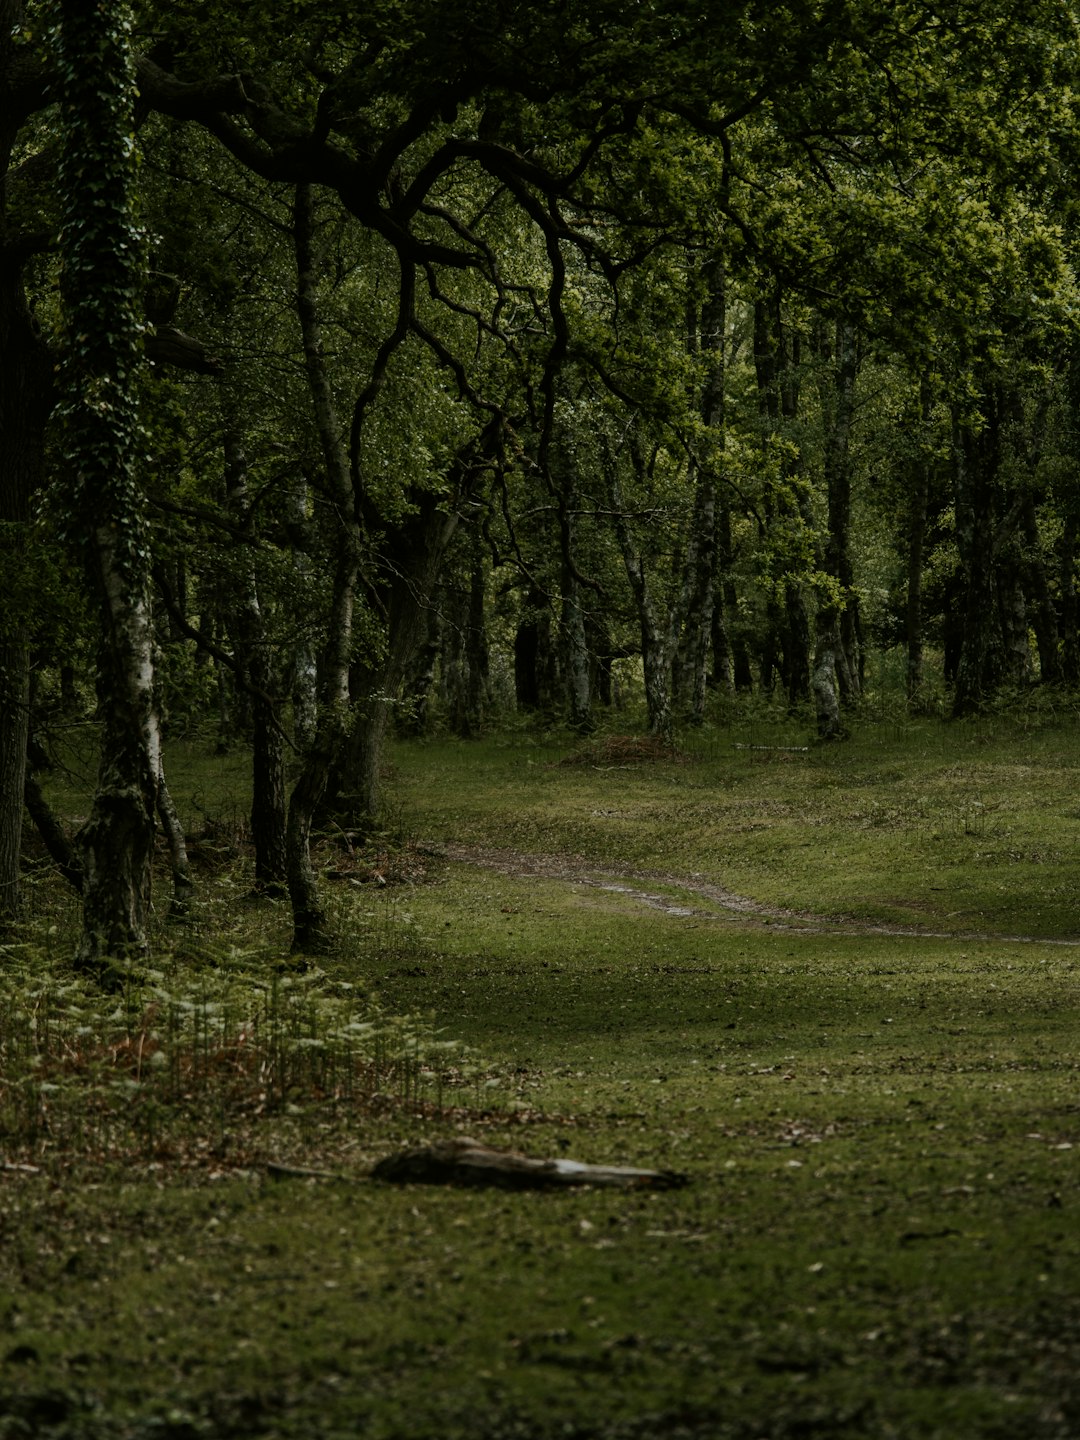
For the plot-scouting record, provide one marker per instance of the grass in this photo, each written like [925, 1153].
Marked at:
[882, 1131]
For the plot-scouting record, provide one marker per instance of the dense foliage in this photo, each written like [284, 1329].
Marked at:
[536, 356]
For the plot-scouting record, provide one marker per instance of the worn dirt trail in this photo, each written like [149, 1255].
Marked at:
[723, 905]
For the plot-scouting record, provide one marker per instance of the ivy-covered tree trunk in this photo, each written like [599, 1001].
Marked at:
[101, 289]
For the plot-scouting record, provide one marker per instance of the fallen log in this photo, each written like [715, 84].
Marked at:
[470, 1162]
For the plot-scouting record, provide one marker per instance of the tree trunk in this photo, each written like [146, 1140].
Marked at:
[53, 835]
[420, 680]
[732, 668]
[477, 655]
[655, 639]
[535, 659]
[824, 679]
[1012, 619]
[796, 644]
[838, 564]
[707, 340]
[180, 905]
[14, 728]
[776, 366]
[117, 841]
[918, 509]
[310, 932]
[1036, 586]
[256, 665]
[576, 658]
[413, 552]
[691, 658]
[26, 396]
[1070, 600]
[974, 465]
[100, 252]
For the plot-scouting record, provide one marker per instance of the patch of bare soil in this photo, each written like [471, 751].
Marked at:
[575, 870]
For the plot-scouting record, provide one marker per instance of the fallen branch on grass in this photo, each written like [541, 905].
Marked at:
[470, 1162]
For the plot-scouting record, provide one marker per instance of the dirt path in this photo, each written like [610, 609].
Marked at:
[724, 904]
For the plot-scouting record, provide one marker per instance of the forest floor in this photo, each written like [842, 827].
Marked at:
[829, 987]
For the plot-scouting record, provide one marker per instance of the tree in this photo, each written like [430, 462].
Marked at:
[101, 291]
[26, 383]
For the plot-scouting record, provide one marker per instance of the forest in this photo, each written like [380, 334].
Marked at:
[439, 362]
[539, 680]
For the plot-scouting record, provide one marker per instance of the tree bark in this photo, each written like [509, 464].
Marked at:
[117, 841]
[1016, 667]
[824, 684]
[465, 659]
[256, 664]
[918, 511]
[305, 671]
[536, 679]
[1037, 588]
[707, 339]
[310, 932]
[173, 831]
[53, 835]
[655, 638]
[412, 552]
[100, 251]
[575, 658]
[776, 365]
[840, 408]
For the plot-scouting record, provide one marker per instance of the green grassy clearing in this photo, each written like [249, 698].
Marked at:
[882, 1132]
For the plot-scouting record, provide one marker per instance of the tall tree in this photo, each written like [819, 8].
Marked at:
[101, 290]
[26, 385]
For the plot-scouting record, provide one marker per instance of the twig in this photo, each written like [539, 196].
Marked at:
[278, 1170]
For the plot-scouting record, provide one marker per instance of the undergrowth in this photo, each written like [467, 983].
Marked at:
[189, 1063]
